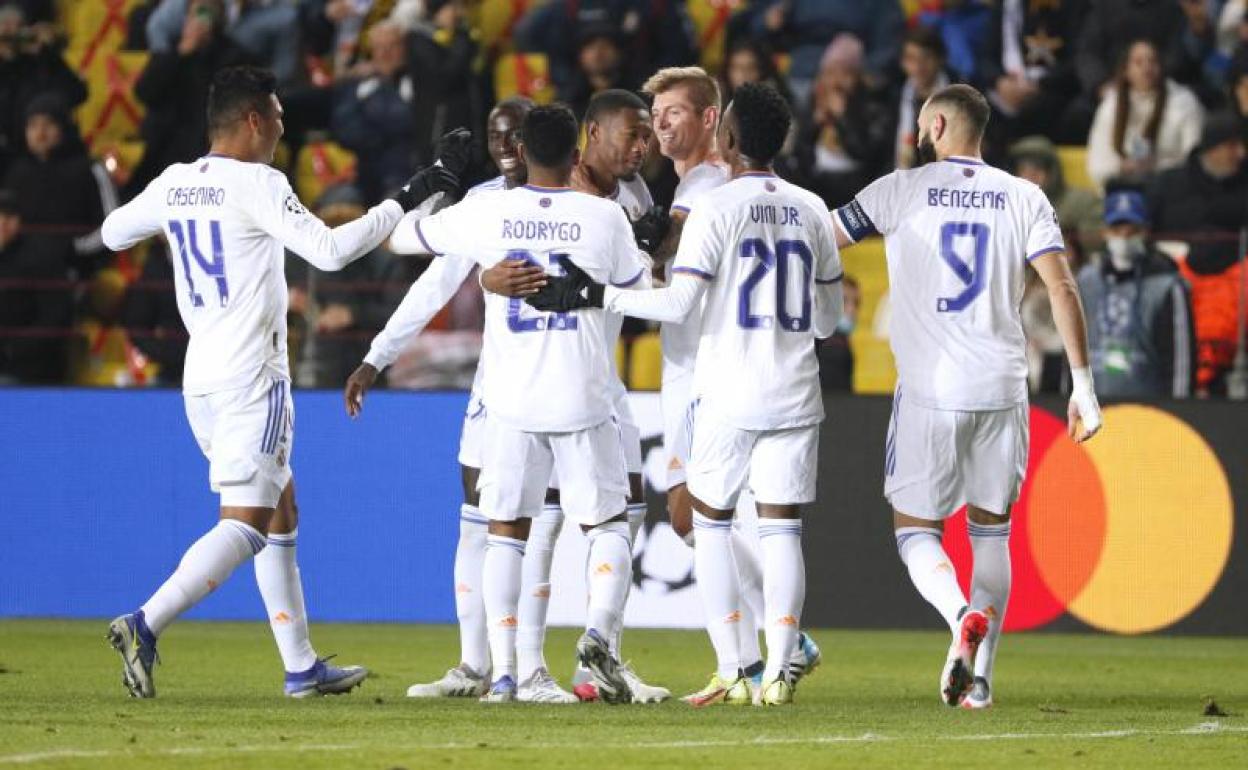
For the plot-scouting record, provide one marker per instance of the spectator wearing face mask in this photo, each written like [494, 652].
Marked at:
[1139, 310]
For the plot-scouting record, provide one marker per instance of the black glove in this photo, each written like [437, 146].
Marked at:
[567, 292]
[426, 182]
[454, 150]
[650, 230]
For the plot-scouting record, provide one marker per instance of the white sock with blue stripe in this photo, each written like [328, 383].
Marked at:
[719, 585]
[784, 591]
[931, 571]
[205, 565]
[277, 575]
[501, 577]
[535, 589]
[474, 644]
[990, 586]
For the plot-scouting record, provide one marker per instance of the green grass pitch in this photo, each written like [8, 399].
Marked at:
[1062, 701]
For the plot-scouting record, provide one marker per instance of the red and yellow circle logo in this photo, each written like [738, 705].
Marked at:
[1128, 532]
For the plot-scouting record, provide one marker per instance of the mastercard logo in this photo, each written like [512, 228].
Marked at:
[1128, 533]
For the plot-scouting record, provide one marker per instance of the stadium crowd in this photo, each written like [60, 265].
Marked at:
[1151, 94]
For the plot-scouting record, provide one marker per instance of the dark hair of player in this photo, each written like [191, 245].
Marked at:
[517, 104]
[235, 93]
[611, 101]
[762, 118]
[549, 136]
[970, 105]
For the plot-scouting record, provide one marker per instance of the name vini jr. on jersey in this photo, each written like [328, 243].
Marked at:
[775, 215]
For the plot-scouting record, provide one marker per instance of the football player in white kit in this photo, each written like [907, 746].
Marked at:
[686, 116]
[546, 387]
[763, 254]
[959, 236]
[428, 295]
[228, 218]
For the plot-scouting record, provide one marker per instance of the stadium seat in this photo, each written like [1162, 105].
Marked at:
[527, 74]
[645, 363]
[1074, 160]
[495, 21]
[874, 370]
[320, 165]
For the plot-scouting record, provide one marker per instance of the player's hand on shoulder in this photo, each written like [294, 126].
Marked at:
[454, 150]
[357, 385]
[1083, 415]
[571, 291]
[424, 183]
[651, 228]
[513, 278]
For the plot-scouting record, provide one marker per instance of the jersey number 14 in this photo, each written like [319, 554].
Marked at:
[185, 233]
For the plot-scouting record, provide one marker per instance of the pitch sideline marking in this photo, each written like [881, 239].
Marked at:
[1204, 728]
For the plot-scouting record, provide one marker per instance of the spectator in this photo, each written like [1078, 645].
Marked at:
[600, 66]
[30, 64]
[1026, 68]
[751, 61]
[1140, 333]
[843, 139]
[1145, 124]
[836, 355]
[149, 313]
[923, 63]
[805, 27]
[655, 35]
[343, 310]
[1237, 92]
[1110, 27]
[1205, 202]
[174, 88]
[57, 183]
[32, 316]
[375, 116]
[442, 59]
[263, 28]
[1078, 211]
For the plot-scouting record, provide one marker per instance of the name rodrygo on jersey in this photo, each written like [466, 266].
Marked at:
[543, 372]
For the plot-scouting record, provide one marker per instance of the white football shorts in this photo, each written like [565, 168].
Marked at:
[936, 461]
[780, 466]
[518, 467]
[676, 401]
[630, 434]
[472, 436]
[247, 434]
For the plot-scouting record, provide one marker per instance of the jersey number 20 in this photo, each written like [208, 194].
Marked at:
[779, 261]
[215, 269]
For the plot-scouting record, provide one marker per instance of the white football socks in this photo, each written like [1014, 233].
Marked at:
[719, 585]
[636, 520]
[205, 565]
[751, 573]
[990, 586]
[501, 578]
[610, 573]
[535, 589]
[277, 575]
[474, 648]
[931, 571]
[784, 590]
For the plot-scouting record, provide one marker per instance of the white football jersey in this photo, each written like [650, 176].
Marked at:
[227, 223]
[762, 244]
[543, 372]
[633, 195]
[680, 341]
[958, 235]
